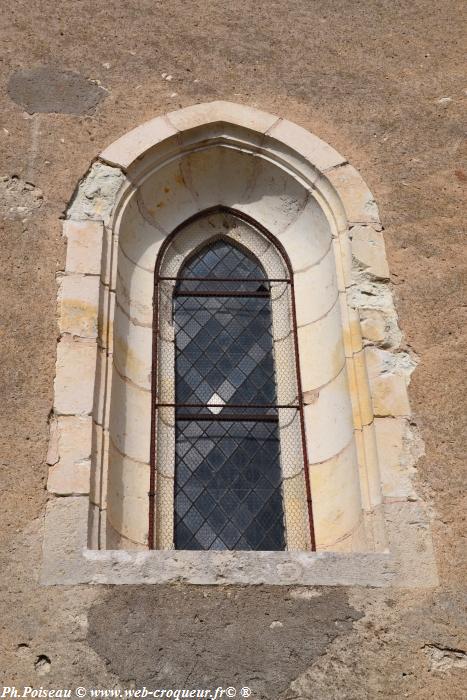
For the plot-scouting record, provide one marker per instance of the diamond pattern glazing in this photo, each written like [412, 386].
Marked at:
[228, 483]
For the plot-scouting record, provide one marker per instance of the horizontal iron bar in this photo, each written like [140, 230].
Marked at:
[220, 293]
[224, 279]
[233, 417]
[225, 405]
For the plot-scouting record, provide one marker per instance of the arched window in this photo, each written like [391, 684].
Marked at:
[228, 483]
[228, 454]
[286, 205]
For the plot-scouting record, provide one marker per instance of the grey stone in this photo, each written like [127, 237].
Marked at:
[49, 89]
[191, 637]
[67, 560]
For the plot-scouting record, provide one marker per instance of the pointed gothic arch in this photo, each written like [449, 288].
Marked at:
[282, 179]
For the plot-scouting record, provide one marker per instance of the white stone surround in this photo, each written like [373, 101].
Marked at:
[371, 527]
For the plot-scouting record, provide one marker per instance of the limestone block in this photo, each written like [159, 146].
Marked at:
[70, 474]
[103, 388]
[354, 393]
[78, 298]
[135, 290]
[373, 476]
[221, 111]
[346, 327]
[130, 430]
[167, 197]
[394, 460]
[135, 143]
[411, 544]
[316, 290]
[96, 527]
[52, 447]
[355, 330]
[84, 246]
[373, 325]
[359, 204]
[319, 153]
[368, 249]
[375, 527]
[67, 561]
[361, 540]
[335, 492]
[99, 465]
[275, 198]
[127, 496]
[328, 421]
[132, 350]
[75, 375]
[388, 383]
[219, 175]
[106, 316]
[321, 350]
[343, 255]
[308, 238]
[139, 238]
[109, 259]
[115, 541]
[361, 391]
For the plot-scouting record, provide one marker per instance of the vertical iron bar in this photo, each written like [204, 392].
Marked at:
[154, 409]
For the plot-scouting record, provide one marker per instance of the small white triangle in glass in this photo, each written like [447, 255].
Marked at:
[215, 398]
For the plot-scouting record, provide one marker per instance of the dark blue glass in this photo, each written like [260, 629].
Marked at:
[228, 483]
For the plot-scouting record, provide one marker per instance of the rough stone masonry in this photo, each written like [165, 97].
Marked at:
[381, 83]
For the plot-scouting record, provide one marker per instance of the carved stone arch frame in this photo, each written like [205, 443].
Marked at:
[372, 528]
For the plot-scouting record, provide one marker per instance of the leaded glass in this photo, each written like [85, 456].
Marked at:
[228, 491]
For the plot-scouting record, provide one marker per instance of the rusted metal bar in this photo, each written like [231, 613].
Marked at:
[153, 444]
[224, 279]
[233, 417]
[226, 405]
[219, 293]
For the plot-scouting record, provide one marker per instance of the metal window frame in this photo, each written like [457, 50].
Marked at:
[155, 334]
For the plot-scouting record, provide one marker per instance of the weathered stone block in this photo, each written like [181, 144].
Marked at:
[133, 145]
[78, 305]
[74, 380]
[70, 475]
[368, 250]
[394, 458]
[84, 247]
[220, 111]
[359, 204]
[320, 154]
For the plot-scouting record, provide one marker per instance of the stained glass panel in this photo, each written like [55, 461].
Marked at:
[228, 486]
